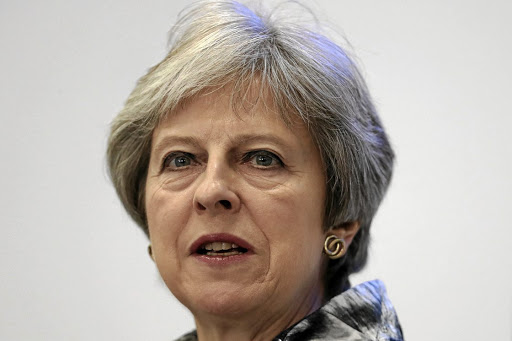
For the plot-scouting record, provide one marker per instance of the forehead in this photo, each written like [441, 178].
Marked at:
[254, 112]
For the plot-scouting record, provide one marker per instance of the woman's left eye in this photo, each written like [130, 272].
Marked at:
[263, 159]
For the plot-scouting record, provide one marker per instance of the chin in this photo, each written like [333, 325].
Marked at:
[220, 298]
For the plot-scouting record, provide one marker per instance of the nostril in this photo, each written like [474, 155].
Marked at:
[201, 207]
[226, 204]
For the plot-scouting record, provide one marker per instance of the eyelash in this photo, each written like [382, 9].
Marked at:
[248, 156]
[245, 159]
[174, 155]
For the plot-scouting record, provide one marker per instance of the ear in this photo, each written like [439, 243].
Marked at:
[150, 252]
[347, 231]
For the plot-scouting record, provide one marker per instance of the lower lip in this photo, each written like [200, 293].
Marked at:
[223, 261]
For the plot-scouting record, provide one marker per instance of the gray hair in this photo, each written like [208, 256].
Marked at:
[219, 43]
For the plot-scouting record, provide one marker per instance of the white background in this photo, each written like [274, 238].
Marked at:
[74, 267]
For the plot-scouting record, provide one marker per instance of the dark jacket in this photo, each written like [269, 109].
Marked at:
[362, 313]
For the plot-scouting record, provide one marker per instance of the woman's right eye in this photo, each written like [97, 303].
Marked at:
[177, 160]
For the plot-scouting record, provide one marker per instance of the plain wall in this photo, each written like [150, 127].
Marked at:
[74, 267]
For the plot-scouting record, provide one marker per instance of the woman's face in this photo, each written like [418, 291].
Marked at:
[235, 204]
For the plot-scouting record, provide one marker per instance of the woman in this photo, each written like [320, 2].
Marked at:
[254, 160]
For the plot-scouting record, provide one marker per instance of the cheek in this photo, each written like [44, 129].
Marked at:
[166, 215]
[297, 213]
[292, 226]
[296, 262]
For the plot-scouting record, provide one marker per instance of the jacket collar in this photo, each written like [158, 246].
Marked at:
[363, 312]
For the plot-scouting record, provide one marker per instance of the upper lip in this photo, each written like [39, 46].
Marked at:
[219, 237]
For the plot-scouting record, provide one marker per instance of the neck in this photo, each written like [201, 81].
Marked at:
[258, 325]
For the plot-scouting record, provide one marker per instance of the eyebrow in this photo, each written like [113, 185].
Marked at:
[252, 138]
[172, 139]
[236, 140]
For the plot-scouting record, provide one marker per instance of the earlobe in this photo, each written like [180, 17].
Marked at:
[334, 247]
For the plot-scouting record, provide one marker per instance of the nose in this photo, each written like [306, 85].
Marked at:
[215, 193]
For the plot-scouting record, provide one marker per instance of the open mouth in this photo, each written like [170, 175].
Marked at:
[221, 249]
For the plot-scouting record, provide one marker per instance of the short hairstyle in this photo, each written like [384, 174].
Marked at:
[219, 43]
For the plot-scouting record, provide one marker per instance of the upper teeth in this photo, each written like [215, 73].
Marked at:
[217, 246]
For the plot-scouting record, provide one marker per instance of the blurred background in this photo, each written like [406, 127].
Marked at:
[74, 267]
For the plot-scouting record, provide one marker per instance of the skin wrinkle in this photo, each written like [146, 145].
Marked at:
[291, 319]
[164, 142]
[275, 287]
[274, 184]
[293, 316]
[262, 194]
[162, 145]
[238, 140]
